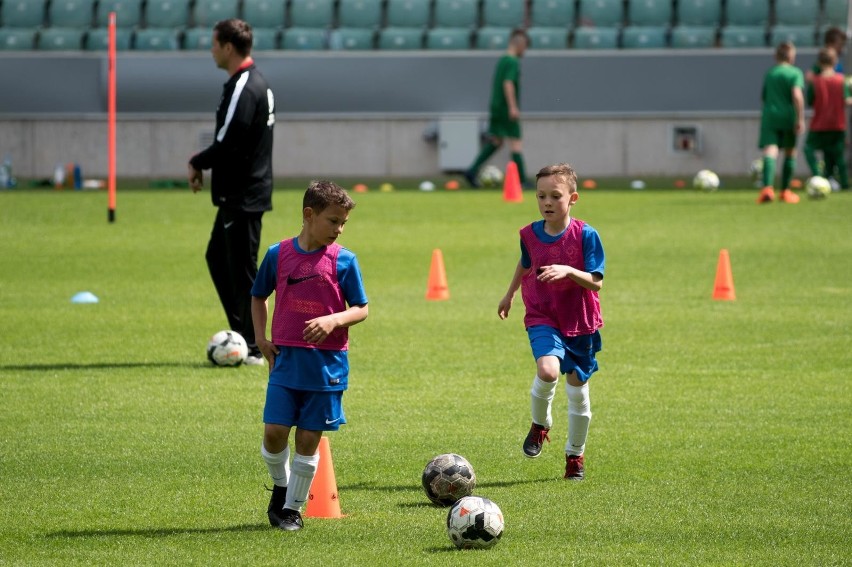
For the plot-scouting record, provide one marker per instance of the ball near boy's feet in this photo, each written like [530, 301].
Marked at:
[535, 439]
[574, 469]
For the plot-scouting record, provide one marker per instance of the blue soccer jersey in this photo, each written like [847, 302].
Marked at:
[593, 253]
[308, 368]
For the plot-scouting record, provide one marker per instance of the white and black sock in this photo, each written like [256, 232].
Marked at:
[579, 417]
[541, 399]
[278, 465]
[303, 471]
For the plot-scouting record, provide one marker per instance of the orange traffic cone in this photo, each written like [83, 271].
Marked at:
[512, 184]
[323, 501]
[436, 289]
[723, 289]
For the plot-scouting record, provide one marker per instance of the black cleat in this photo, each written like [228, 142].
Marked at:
[470, 176]
[291, 520]
[535, 439]
[276, 505]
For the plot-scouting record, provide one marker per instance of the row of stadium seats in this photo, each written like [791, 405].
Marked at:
[421, 13]
[631, 37]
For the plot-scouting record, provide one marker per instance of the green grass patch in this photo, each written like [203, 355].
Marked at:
[721, 430]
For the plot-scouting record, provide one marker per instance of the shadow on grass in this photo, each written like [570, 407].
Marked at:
[446, 549]
[416, 486]
[157, 532]
[103, 366]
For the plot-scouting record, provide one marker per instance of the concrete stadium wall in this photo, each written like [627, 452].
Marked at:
[609, 113]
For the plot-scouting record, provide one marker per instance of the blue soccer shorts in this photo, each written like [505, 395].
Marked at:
[312, 411]
[575, 354]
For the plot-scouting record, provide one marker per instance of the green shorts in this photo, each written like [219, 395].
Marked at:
[500, 126]
[769, 136]
[826, 140]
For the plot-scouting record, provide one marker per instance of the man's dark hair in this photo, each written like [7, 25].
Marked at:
[237, 33]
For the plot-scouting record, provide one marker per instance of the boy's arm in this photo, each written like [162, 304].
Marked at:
[259, 314]
[506, 303]
[317, 330]
[511, 100]
[555, 272]
[799, 104]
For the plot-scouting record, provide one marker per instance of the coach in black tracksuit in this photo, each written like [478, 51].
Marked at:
[241, 179]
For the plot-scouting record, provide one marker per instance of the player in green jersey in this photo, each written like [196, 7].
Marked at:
[504, 112]
[781, 121]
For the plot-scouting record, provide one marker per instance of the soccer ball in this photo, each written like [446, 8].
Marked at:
[447, 478]
[706, 180]
[818, 187]
[427, 186]
[756, 171]
[490, 176]
[475, 523]
[227, 348]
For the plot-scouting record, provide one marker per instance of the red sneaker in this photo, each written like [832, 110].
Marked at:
[767, 195]
[574, 469]
[535, 439]
[788, 196]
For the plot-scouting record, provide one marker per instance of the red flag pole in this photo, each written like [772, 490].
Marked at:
[111, 117]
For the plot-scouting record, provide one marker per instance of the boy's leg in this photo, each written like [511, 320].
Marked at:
[770, 154]
[837, 151]
[541, 400]
[303, 469]
[786, 195]
[276, 454]
[492, 145]
[579, 418]
[810, 154]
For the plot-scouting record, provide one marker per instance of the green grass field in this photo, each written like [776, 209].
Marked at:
[721, 430]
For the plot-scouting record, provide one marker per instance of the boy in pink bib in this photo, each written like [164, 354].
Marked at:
[319, 293]
[560, 273]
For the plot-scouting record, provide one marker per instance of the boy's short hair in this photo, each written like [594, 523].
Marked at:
[784, 51]
[321, 194]
[518, 33]
[236, 32]
[563, 171]
[827, 57]
[834, 35]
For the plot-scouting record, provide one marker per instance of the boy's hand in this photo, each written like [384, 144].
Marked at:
[268, 350]
[196, 179]
[504, 307]
[317, 330]
[553, 273]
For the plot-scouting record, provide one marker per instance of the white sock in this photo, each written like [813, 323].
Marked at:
[304, 469]
[278, 465]
[541, 398]
[579, 416]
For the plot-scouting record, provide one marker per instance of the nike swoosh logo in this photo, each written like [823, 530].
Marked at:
[329, 422]
[228, 224]
[294, 281]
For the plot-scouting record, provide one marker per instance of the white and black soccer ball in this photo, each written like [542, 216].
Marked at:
[447, 478]
[227, 348]
[706, 180]
[490, 176]
[756, 172]
[818, 187]
[475, 523]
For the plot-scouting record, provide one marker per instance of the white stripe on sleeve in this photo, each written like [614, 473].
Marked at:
[232, 106]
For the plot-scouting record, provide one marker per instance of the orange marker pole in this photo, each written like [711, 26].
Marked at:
[111, 118]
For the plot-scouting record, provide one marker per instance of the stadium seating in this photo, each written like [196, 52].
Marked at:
[489, 37]
[649, 12]
[401, 38]
[407, 13]
[502, 13]
[644, 37]
[601, 13]
[60, 39]
[747, 12]
[17, 39]
[699, 12]
[801, 36]
[309, 39]
[267, 14]
[359, 14]
[265, 39]
[693, 37]
[455, 13]
[128, 13]
[21, 14]
[156, 39]
[595, 38]
[448, 38]
[96, 39]
[834, 13]
[206, 13]
[796, 12]
[311, 13]
[548, 38]
[71, 13]
[352, 39]
[166, 13]
[552, 13]
[198, 39]
[743, 36]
